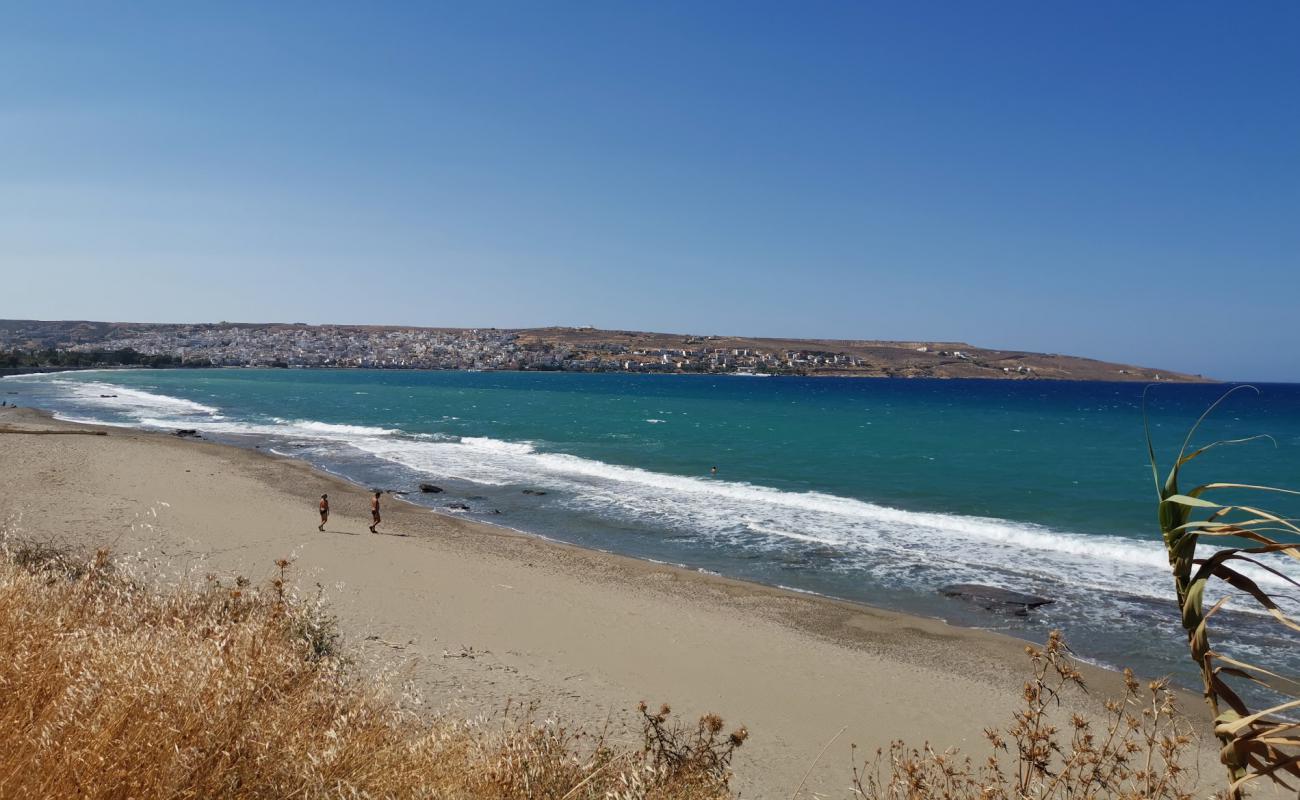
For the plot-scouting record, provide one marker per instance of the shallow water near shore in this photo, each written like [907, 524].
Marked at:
[878, 491]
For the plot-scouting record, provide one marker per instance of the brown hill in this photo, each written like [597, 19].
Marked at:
[910, 359]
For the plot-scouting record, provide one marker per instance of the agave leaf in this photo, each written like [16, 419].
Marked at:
[1208, 565]
[1253, 744]
[1236, 673]
[1279, 683]
[1151, 448]
[1234, 727]
[1195, 502]
[1285, 548]
[1254, 487]
[1218, 517]
[1202, 524]
[1205, 618]
[1267, 684]
[1192, 603]
[1270, 728]
[1290, 765]
[1199, 420]
[1255, 532]
[1230, 531]
[1222, 691]
[1239, 581]
[1271, 517]
[1207, 448]
[1237, 555]
[1264, 518]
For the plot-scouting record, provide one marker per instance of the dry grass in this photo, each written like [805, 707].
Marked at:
[1136, 752]
[111, 689]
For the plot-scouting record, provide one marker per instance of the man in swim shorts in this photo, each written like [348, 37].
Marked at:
[374, 511]
[324, 511]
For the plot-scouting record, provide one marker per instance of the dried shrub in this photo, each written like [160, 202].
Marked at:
[48, 558]
[1137, 750]
[699, 754]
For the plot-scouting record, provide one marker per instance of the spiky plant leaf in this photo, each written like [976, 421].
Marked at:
[1260, 744]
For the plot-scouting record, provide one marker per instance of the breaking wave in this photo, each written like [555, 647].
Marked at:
[135, 401]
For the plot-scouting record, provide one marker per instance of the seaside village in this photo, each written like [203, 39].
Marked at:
[419, 348]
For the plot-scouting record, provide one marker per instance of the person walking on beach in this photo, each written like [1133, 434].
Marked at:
[324, 511]
[374, 511]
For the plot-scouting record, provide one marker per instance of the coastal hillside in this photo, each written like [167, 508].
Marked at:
[35, 344]
[866, 358]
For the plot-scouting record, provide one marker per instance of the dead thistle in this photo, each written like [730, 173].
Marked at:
[1135, 751]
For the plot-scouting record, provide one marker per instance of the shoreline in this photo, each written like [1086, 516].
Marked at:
[103, 429]
[477, 614]
[552, 540]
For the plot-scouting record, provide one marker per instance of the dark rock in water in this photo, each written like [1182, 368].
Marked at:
[476, 497]
[993, 598]
[187, 433]
[458, 506]
[534, 491]
[496, 511]
[429, 488]
[108, 395]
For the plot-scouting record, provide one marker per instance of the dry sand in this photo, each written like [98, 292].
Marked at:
[475, 615]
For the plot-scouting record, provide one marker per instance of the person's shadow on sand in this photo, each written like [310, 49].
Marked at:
[354, 533]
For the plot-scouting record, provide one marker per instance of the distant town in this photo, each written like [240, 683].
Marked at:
[78, 344]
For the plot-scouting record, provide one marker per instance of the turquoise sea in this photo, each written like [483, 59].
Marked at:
[872, 490]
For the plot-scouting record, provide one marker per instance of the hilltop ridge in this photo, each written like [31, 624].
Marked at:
[577, 349]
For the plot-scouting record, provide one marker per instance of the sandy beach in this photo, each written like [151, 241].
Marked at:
[476, 616]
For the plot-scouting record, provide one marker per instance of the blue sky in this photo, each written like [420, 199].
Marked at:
[1119, 180]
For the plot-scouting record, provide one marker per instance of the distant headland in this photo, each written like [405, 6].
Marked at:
[27, 345]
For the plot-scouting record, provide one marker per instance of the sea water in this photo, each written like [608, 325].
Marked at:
[872, 490]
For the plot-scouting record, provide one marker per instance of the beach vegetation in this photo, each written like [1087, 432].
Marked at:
[113, 687]
[81, 359]
[1138, 749]
[1224, 550]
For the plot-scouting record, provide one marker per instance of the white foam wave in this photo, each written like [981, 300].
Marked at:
[485, 444]
[305, 430]
[747, 515]
[59, 415]
[336, 429]
[134, 402]
[757, 528]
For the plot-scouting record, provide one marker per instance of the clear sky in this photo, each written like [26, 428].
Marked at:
[1118, 180]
